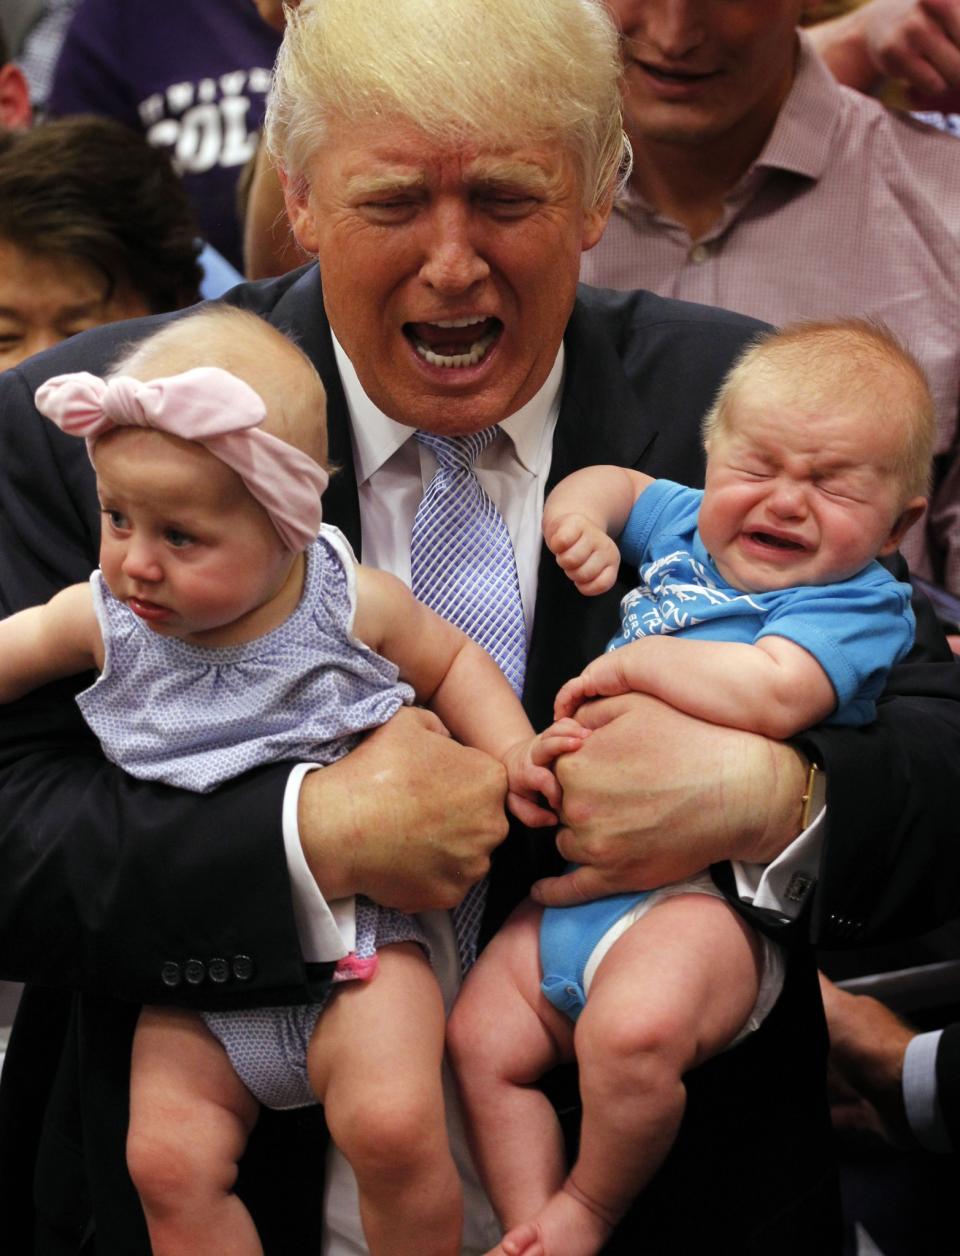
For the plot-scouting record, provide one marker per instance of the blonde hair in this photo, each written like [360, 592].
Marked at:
[857, 362]
[254, 351]
[504, 73]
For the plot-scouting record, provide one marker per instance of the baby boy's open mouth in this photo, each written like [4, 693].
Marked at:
[777, 542]
[454, 342]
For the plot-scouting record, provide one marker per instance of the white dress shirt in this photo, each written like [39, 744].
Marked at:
[393, 471]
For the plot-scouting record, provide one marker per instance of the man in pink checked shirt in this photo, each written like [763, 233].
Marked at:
[761, 185]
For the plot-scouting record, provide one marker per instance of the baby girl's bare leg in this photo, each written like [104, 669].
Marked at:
[375, 1063]
[671, 992]
[190, 1118]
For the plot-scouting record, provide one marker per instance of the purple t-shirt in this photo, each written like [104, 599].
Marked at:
[190, 75]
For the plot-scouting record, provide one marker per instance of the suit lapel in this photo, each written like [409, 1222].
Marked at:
[602, 420]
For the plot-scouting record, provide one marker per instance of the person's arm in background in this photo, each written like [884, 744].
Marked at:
[889, 1078]
[112, 885]
[914, 41]
[269, 247]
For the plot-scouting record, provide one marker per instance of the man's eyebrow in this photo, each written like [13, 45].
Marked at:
[512, 172]
[371, 183]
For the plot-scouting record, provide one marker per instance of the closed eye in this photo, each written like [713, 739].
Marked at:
[398, 209]
[507, 204]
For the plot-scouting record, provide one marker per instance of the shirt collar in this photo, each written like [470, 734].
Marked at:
[802, 138]
[376, 437]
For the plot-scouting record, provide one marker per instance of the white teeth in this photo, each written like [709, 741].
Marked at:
[459, 322]
[470, 358]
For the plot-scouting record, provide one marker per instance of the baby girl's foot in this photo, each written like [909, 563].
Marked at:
[568, 1225]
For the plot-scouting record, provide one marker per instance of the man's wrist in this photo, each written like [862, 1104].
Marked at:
[783, 807]
[319, 927]
[842, 44]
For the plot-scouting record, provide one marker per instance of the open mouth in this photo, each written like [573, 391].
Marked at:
[454, 343]
[775, 542]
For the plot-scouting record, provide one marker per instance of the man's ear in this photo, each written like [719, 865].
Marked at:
[296, 198]
[910, 514]
[594, 223]
[15, 111]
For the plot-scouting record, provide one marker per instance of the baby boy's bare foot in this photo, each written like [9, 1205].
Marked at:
[568, 1225]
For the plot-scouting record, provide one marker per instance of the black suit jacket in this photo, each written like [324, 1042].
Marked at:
[111, 887]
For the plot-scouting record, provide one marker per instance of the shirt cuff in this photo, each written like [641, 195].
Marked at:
[326, 930]
[784, 885]
[920, 1100]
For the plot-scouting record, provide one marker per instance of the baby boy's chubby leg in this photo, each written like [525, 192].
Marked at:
[502, 1036]
[673, 990]
[190, 1118]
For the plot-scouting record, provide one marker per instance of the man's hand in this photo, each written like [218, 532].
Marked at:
[409, 818]
[654, 795]
[914, 41]
[867, 1046]
[917, 41]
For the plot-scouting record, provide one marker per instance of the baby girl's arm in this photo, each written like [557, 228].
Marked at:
[43, 643]
[581, 518]
[773, 687]
[461, 684]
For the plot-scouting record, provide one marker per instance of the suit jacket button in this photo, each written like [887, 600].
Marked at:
[242, 967]
[170, 973]
[194, 971]
[218, 970]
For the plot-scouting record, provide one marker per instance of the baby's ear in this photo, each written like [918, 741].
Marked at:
[910, 514]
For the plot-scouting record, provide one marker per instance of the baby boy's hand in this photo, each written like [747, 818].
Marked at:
[528, 772]
[604, 677]
[584, 551]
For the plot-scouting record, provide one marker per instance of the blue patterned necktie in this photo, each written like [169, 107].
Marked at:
[462, 565]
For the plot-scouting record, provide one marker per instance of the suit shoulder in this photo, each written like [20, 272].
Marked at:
[95, 350]
[639, 311]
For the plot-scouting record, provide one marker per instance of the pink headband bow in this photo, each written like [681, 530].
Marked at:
[213, 408]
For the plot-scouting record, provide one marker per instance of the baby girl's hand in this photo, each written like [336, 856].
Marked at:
[529, 776]
[584, 551]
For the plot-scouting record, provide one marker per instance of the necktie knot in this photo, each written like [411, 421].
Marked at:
[457, 453]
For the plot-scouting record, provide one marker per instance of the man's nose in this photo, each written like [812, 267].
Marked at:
[452, 263]
[673, 27]
[37, 340]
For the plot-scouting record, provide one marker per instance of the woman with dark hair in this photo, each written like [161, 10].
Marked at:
[94, 227]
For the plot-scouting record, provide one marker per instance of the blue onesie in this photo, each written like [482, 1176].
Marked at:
[856, 630]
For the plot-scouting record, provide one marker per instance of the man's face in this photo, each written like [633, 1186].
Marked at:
[695, 70]
[449, 272]
[45, 298]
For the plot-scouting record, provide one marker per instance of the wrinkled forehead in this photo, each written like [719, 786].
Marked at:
[371, 157]
[367, 150]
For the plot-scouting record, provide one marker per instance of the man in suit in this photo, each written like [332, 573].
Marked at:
[448, 201]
